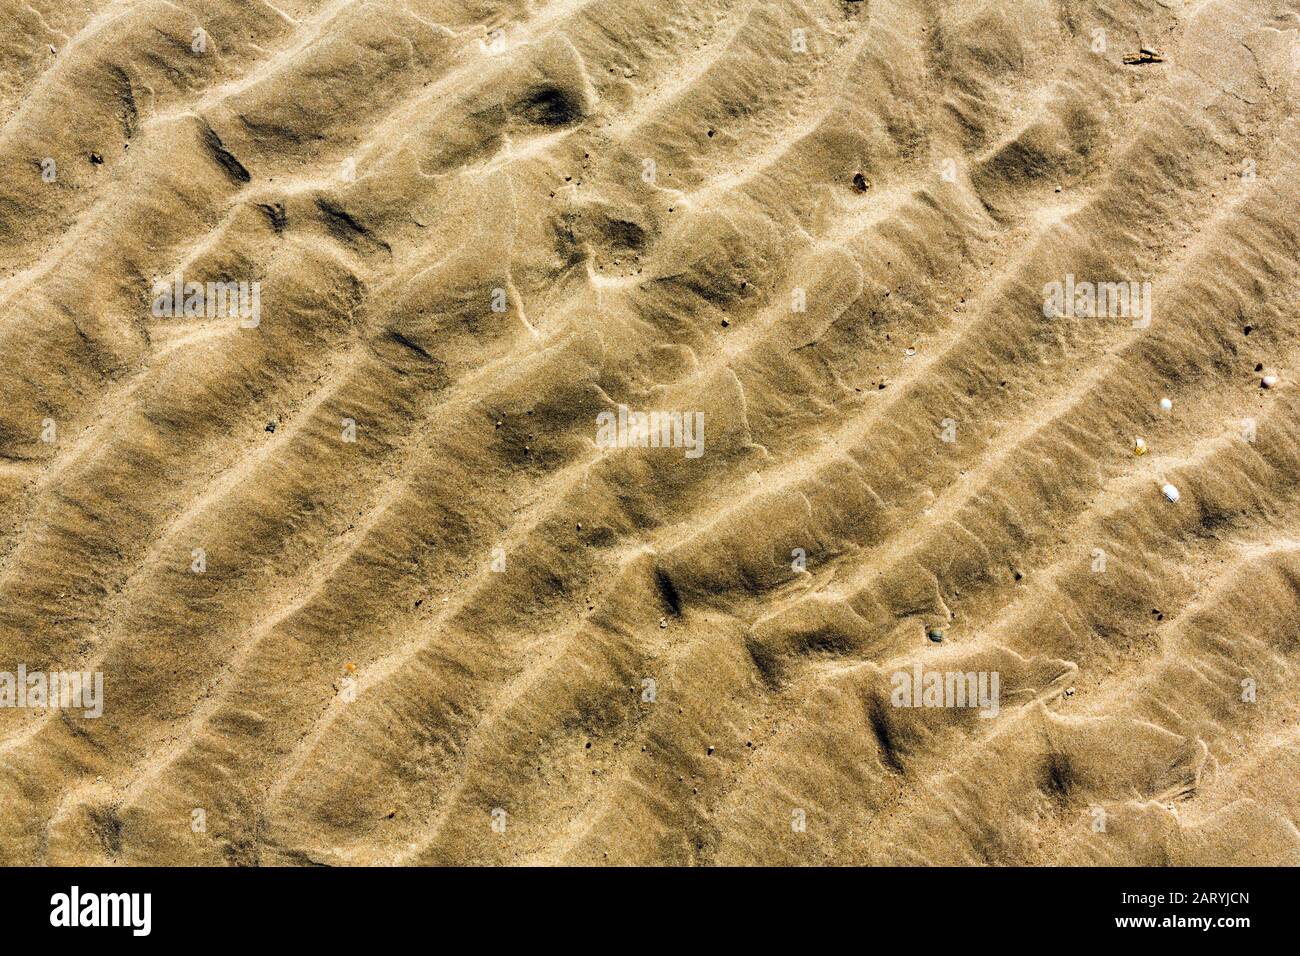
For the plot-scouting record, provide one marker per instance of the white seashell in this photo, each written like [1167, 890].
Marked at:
[1171, 493]
[1268, 381]
[1166, 405]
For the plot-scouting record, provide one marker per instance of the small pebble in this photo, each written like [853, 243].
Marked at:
[1170, 492]
[1139, 447]
[1069, 692]
[1268, 381]
[1166, 405]
[935, 635]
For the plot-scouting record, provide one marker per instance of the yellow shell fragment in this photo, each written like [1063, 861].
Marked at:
[1144, 55]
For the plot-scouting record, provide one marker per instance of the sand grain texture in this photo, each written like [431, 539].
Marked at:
[645, 189]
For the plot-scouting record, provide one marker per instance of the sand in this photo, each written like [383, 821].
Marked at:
[366, 548]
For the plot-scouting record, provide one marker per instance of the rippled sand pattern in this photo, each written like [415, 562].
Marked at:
[367, 584]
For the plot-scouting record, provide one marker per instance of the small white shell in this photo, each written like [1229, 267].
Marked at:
[1268, 381]
[1171, 493]
[1166, 405]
